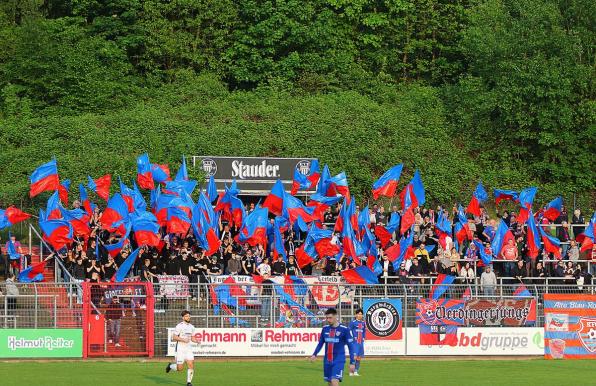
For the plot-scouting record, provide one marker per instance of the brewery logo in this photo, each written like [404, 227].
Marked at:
[382, 319]
[303, 167]
[209, 166]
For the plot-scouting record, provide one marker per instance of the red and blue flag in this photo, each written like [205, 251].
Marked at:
[274, 202]
[441, 285]
[526, 199]
[44, 178]
[101, 186]
[63, 190]
[501, 238]
[587, 239]
[144, 174]
[145, 228]
[33, 273]
[360, 275]
[58, 233]
[254, 228]
[551, 243]
[124, 269]
[478, 198]
[505, 195]
[554, 208]
[11, 216]
[115, 214]
[386, 185]
[533, 237]
[211, 190]
[306, 181]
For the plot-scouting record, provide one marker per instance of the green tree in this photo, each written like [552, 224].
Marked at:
[529, 88]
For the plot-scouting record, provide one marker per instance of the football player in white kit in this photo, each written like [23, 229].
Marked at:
[183, 336]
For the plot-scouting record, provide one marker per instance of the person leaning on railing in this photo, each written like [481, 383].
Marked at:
[12, 292]
[488, 281]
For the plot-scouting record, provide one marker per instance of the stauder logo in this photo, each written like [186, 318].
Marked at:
[262, 169]
[209, 166]
[382, 319]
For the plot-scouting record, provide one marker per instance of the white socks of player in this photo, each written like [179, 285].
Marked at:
[189, 374]
[173, 367]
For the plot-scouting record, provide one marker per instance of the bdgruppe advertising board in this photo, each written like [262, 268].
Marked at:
[482, 341]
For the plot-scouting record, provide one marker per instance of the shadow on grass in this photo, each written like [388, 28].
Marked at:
[160, 380]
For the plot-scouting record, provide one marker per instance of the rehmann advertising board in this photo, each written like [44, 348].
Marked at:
[253, 175]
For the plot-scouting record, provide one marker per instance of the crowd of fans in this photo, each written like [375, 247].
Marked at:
[181, 255]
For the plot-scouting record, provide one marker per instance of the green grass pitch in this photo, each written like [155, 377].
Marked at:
[429, 371]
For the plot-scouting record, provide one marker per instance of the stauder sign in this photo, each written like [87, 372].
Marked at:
[253, 175]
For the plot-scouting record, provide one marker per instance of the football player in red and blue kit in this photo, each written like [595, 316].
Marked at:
[335, 337]
[358, 329]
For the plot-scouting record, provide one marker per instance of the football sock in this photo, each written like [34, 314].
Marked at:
[189, 374]
[173, 367]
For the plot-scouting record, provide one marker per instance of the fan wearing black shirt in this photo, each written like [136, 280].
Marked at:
[109, 268]
[214, 268]
[279, 267]
[292, 267]
[172, 265]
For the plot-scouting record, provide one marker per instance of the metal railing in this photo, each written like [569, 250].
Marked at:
[57, 305]
[41, 305]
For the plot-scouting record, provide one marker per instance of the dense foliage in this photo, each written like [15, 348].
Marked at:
[498, 90]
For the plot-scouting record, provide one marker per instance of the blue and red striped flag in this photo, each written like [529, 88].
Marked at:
[551, 243]
[11, 216]
[501, 238]
[526, 199]
[211, 190]
[306, 181]
[553, 210]
[275, 200]
[505, 195]
[182, 174]
[44, 178]
[521, 291]
[58, 233]
[101, 186]
[441, 285]
[587, 238]
[160, 173]
[533, 237]
[144, 175]
[33, 273]
[145, 229]
[125, 267]
[360, 275]
[478, 197]
[386, 185]
[63, 190]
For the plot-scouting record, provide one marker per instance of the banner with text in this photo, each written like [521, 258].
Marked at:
[570, 326]
[323, 291]
[482, 341]
[255, 342]
[41, 343]
[438, 320]
[383, 319]
[173, 286]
